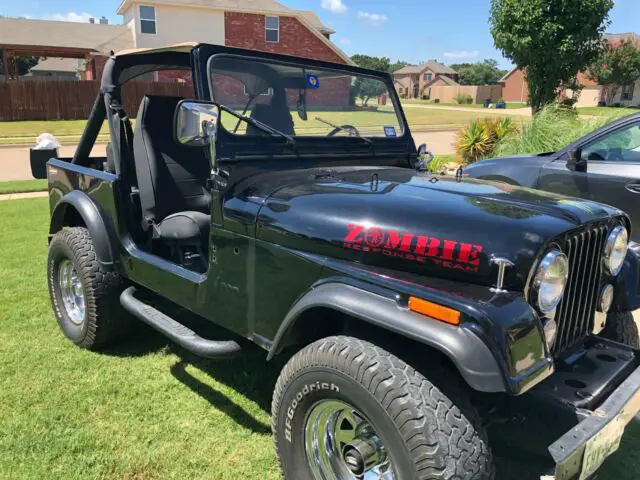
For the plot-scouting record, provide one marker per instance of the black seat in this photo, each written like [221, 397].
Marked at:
[171, 177]
[276, 115]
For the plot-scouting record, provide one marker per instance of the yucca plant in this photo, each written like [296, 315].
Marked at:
[474, 141]
[503, 128]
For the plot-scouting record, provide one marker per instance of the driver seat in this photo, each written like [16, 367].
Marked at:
[276, 115]
[172, 178]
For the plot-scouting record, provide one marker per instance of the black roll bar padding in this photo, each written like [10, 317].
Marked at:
[91, 130]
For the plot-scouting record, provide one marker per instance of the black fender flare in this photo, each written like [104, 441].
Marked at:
[100, 229]
[464, 348]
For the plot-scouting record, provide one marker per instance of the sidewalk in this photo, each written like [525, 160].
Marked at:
[14, 160]
[517, 112]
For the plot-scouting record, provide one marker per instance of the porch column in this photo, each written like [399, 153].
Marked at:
[10, 62]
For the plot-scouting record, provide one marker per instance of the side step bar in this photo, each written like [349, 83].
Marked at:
[175, 331]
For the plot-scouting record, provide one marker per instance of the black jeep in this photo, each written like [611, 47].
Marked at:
[288, 205]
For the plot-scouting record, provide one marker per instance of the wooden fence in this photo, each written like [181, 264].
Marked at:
[72, 100]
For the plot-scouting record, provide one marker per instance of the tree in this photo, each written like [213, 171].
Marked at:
[618, 65]
[367, 88]
[550, 40]
[381, 64]
[481, 73]
[394, 67]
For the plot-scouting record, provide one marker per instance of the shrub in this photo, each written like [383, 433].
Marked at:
[462, 98]
[550, 130]
[474, 141]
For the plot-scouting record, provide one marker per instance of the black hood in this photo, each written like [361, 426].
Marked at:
[400, 219]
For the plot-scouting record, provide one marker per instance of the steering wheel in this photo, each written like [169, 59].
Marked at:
[350, 129]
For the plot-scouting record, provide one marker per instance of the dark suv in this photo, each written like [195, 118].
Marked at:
[414, 308]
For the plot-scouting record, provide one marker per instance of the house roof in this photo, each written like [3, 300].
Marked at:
[619, 37]
[435, 67]
[70, 65]
[508, 74]
[73, 35]
[409, 69]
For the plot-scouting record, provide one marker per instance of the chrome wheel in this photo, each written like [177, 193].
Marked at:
[341, 444]
[71, 291]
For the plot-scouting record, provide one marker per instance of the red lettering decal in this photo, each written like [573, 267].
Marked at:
[394, 241]
[447, 250]
[465, 252]
[374, 237]
[421, 245]
[471, 257]
[433, 247]
[354, 233]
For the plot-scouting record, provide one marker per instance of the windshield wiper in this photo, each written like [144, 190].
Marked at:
[352, 131]
[259, 125]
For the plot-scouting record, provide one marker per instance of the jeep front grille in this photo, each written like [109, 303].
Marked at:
[576, 311]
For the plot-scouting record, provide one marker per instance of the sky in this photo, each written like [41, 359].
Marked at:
[450, 31]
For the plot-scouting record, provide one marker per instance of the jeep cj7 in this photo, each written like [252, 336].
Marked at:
[296, 216]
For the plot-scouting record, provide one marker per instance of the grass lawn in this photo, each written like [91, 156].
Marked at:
[145, 410]
[69, 131]
[607, 111]
[470, 105]
[21, 186]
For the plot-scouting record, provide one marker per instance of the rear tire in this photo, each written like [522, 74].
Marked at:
[425, 434]
[622, 328]
[85, 297]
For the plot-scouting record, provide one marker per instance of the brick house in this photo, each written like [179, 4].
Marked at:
[255, 24]
[515, 87]
[413, 79]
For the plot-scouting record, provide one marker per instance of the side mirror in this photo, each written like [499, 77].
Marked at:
[196, 125]
[575, 162]
[424, 157]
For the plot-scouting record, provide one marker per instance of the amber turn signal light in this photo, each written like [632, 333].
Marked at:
[433, 310]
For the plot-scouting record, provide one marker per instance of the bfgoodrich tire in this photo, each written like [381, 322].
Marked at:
[342, 402]
[84, 296]
[622, 328]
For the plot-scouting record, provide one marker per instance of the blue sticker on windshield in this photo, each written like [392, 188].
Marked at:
[390, 131]
[313, 81]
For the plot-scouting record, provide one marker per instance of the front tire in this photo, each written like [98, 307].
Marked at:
[622, 328]
[84, 295]
[342, 404]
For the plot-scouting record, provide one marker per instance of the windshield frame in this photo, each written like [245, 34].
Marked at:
[265, 57]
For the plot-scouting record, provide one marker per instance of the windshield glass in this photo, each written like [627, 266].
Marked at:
[301, 101]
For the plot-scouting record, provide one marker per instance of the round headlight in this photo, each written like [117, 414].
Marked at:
[616, 249]
[550, 280]
[606, 298]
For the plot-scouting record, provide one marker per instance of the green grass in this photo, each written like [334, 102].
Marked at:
[550, 130]
[22, 186]
[471, 105]
[607, 111]
[69, 131]
[145, 410]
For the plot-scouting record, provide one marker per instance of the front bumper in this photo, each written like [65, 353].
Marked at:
[581, 451]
